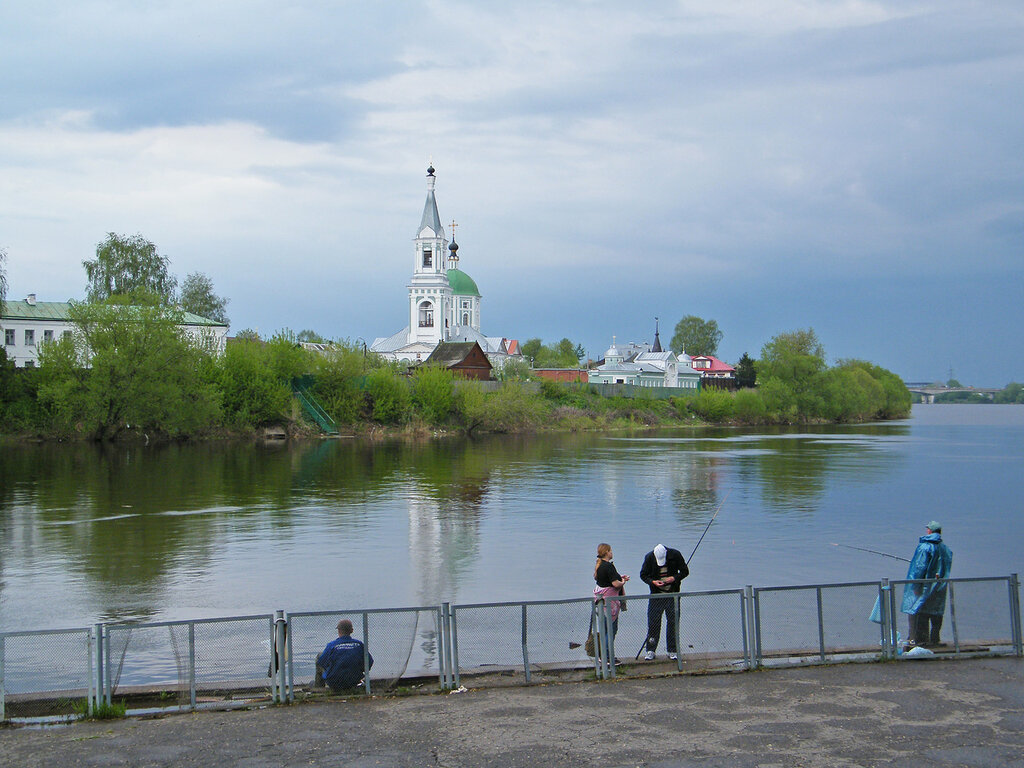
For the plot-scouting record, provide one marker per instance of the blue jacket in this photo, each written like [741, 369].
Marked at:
[342, 662]
[932, 560]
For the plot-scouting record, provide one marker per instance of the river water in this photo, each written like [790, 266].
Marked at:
[91, 533]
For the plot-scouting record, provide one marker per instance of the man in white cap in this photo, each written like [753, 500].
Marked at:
[663, 569]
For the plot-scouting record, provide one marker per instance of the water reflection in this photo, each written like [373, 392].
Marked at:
[115, 532]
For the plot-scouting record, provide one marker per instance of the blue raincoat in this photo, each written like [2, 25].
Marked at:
[932, 560]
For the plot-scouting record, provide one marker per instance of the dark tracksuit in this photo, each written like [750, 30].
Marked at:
[675, 566]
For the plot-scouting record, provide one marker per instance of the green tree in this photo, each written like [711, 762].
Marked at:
[531, 349]
[310, 336]
[796, 360]
[143, 372]
[248, 334]
[746, 372]
[197, 297]
[1011, 393]
[128, 266]
[696, 336]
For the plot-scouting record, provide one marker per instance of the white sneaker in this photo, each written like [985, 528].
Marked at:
[673, 656]
[649, 656]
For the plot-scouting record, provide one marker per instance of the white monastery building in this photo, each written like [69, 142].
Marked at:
[443, 301]
[28, 324]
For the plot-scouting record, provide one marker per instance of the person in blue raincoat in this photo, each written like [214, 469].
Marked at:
[924, 604]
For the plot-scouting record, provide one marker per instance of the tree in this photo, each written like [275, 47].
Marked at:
[696, 336]
[143, 372]
[310, 336]
[130, 267]
[197, 297]
[792, 364]
[746, 372]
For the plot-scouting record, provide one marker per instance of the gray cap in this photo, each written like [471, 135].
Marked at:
[934, 526]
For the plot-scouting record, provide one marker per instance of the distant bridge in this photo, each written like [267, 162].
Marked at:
[929, 390]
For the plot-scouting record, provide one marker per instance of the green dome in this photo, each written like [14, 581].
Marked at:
[461, 283]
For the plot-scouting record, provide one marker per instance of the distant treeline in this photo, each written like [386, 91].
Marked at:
[129, 371]
[1011, 393]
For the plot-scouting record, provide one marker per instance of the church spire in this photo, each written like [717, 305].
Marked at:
[430, 218]
[657, 341]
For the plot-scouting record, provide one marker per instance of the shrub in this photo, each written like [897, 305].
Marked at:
[433, 392]
[389, 396]
[713, 404]
[749, 408]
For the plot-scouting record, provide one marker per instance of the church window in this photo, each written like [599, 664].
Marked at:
[426, 315]
[428, 257]
[465, 318]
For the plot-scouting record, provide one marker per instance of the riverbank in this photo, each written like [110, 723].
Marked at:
[968, 712]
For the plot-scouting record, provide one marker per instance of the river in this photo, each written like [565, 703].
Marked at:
[97, 533]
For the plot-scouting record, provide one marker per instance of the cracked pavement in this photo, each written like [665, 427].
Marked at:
[941, 713]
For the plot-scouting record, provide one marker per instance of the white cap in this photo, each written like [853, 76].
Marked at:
[660, 553]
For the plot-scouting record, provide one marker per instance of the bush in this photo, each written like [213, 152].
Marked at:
[389, 396]
[713, 404]
[512, 409]
[338, 381]
[433, 393]
[251, 393]
[749, 408]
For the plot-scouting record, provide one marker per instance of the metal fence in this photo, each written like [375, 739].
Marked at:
[241, 659]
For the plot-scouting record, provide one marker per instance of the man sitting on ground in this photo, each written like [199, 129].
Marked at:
[340, 665]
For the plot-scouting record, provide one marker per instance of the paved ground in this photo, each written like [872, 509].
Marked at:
[938, 713]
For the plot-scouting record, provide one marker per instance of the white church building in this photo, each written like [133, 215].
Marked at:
[443, 301]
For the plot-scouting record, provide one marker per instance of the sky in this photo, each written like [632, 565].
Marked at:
[850, 166]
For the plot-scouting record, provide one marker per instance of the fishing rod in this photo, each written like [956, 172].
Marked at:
[872, 551]
[708, 526]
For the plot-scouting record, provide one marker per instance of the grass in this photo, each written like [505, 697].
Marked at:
[102, 711]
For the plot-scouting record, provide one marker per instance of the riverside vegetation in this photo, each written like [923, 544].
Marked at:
[127, 370]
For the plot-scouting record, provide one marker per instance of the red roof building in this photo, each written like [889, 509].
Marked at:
[712, 368]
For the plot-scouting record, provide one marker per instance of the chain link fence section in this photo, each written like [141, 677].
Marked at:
[181, 662]
[46, 673]
[979, 616]
[390, 636]
[830, 620]
[556, 632]
[712, 630]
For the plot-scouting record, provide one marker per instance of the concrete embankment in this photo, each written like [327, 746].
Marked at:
[936, 713]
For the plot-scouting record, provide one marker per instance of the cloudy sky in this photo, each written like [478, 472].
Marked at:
[847, 165]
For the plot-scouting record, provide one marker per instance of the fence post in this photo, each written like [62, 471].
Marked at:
[192, 665]
[454, 642]
[108, 681]
[1015, 627]
[595, 632]
[755, 624]
[677, 597]
[445, 649]
[821, 627]
[609, 640]
[952, 618]
[745, 600]
[3, 690]
[366, 653]
[526, 653]
[279, 656]
[888, 638]
[98, 636]
[290, 663]
[894, 634]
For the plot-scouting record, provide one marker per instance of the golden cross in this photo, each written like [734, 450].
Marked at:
[454, 225]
